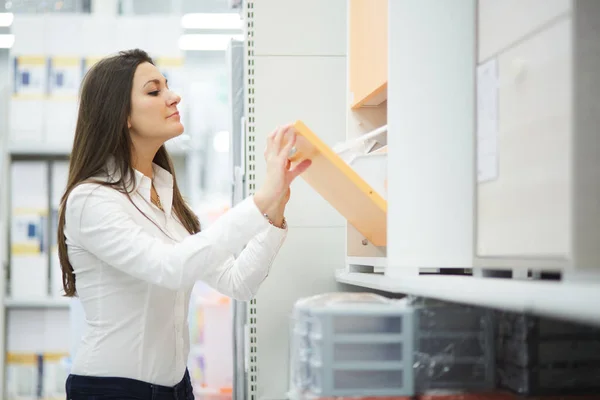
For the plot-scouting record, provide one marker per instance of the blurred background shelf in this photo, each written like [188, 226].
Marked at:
[42, 303]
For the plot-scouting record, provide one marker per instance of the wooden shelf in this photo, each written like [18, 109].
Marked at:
[341, 186]
[368, 52]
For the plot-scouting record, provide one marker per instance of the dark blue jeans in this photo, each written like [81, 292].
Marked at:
[100, 388]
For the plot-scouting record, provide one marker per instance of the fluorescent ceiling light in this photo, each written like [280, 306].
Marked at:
[6, 19]
[6, 41]
[208, 42]
[212, 21]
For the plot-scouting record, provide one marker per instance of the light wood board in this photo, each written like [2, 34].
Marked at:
[341, 186]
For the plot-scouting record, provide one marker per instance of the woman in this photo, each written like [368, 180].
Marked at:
[130, 247]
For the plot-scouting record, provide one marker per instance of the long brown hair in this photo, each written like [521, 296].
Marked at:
[101, 134]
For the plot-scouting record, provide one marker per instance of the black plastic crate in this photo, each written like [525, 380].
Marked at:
[454, 347]
[539, 356]
[558, 379]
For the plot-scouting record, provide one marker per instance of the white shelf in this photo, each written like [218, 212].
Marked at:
[576, 301]
[39, 303]
[380, 262]
[216, 393]
[39, 150]
[53, 150]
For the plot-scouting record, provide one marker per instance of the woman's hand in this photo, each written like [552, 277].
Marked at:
[274, 194]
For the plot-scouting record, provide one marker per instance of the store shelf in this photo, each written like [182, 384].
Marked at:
[215, 393]
[380, 262]
[341, 186]
[560, 299]
[65, 151]
[39, 150]
[41, 303]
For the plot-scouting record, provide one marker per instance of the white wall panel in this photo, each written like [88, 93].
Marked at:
[305, 266]
[162, 35]
[309, 27]
[99, 36]
[131, 33]
[63, 35]
[504, 22]
[29, 34]
[314, 94]
[296, 70]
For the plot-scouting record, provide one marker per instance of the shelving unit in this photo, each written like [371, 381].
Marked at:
[434, 199]
[433, 222]
[366, 105]
[570, 301]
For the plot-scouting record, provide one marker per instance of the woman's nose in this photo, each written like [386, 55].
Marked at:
[174, 98]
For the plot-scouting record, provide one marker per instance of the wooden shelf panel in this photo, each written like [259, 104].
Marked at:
[372, 99]
[341, 186]
[368, 53]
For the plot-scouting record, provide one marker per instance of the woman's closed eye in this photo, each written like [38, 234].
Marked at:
[154, 93]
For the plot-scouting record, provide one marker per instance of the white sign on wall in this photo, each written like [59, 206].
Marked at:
[487, 121]
[30, 75]
[65, 76]
[89, 63]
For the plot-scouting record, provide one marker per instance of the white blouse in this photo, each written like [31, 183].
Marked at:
[134, 274]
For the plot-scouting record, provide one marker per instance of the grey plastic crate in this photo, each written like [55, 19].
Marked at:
[454, 347]
[355, 349]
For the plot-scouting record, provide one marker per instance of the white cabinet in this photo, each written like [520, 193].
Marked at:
[525, 211]
[541, 209]
[502, 24]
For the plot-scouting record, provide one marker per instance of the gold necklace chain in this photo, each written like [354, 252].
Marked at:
[157, 201]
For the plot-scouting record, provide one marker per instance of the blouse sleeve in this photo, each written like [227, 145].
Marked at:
[97, 221]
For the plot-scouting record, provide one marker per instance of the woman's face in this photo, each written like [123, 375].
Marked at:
[154, 116]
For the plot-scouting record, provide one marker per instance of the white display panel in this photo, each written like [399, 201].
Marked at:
[281, 90]
[430, 135]
[505, 23]
[307, 100]
[300, 28]
[524, 212]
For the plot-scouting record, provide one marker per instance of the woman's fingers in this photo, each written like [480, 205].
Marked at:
[289, 144]
[280, 142]
[269, 146]
[298, 169]
[278, 139]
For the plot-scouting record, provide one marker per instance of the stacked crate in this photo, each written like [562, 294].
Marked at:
[539, 356]
[349, 345]
[454, 347]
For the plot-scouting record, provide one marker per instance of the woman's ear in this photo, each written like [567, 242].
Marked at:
[128, 123]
